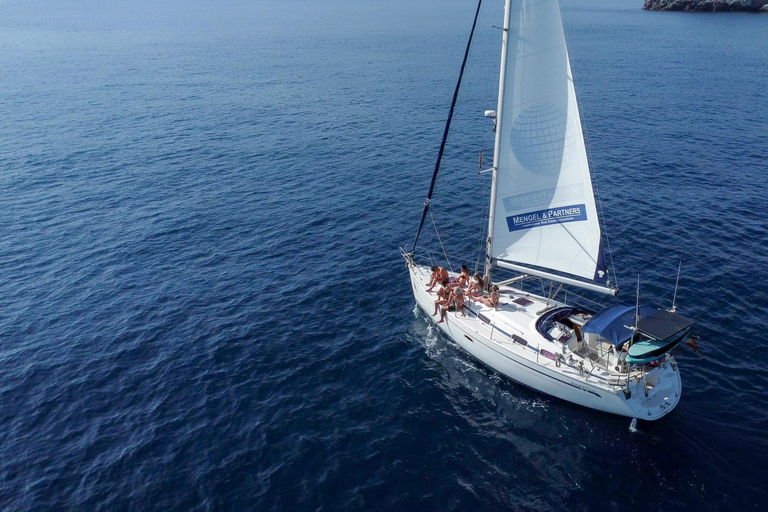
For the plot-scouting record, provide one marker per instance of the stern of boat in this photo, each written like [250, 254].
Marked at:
[655, 395]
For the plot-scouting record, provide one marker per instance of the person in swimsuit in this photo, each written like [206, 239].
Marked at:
[476, 288]
[443, 295]
[463, 279]
[492, 300]
[439, 274]
[457, 299]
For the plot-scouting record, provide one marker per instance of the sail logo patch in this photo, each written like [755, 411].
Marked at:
[538, 138]
[546, 217]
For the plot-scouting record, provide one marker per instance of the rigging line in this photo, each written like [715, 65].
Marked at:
[584, 250]
[431, 261]
[581, 297]
[596, 185]
[593, 177]
[455, 257]
[602, 220]
[441, 242]
[623, 239]
[445, 132]
[530, 5]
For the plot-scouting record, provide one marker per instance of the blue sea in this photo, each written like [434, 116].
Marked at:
[203, 307]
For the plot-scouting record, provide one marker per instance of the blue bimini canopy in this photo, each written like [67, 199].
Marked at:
[609, 324]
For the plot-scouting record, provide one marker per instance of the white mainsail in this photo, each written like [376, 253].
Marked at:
[545, 214]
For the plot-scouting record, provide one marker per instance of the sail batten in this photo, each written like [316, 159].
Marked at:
[544, 206]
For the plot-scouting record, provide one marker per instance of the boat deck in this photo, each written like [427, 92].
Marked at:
[507, 339]
[516, 317]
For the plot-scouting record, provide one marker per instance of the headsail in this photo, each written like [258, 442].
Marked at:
[545, 215]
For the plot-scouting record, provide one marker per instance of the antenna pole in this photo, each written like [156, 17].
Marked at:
[674, 298]
[637, 310]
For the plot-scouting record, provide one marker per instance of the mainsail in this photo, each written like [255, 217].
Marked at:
[545, 215]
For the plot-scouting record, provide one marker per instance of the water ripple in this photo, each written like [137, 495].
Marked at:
[204, 307]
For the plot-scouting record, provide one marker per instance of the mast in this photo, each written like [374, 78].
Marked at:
[497, 142]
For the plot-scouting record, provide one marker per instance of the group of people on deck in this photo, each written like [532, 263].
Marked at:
[451, 292]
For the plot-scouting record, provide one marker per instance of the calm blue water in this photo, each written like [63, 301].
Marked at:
[203, 306]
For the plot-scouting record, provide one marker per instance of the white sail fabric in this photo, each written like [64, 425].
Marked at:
[545, 213]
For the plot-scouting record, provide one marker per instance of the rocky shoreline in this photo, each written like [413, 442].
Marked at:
[707, 5]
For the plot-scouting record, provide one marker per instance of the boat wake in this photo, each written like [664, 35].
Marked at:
[461, 372]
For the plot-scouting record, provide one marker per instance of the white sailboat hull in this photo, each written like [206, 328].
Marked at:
[493, 342]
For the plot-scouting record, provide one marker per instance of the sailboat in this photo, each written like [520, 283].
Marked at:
[543, 225]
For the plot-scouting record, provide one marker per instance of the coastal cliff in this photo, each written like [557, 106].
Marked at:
[706, 5]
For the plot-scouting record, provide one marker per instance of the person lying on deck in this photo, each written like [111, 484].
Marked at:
[476, 288]
[443, 295]
[439, 274]
[492, 300]
[456, 298]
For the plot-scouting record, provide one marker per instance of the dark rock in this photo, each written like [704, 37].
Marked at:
[706, 5]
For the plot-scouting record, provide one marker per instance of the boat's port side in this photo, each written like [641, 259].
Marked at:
[539, 344]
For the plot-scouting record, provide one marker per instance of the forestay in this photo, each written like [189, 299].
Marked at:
[545, 213]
